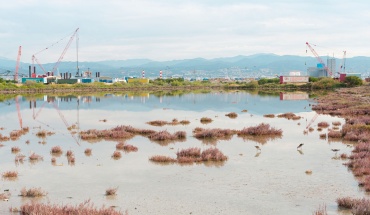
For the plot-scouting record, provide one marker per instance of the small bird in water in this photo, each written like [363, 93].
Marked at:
[257, 147]
[335, 150]
[300, 146]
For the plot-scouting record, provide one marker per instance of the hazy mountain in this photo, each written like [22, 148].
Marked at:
[253, 65]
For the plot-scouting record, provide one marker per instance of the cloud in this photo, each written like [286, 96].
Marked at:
[174, 29]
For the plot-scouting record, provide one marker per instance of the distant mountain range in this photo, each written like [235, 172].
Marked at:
[238, 66]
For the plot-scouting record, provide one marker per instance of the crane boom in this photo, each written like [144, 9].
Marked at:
[319, 59]
[37, 61]
[343, 66]
[65, 50]
[65, 122]
[17, 64]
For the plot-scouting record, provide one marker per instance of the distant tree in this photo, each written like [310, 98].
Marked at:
[313, 79]
[353, 81]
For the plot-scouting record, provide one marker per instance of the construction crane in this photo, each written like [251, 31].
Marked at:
[17, 64]
[61, 56]
[343, 65]
[65, 50]
[319, 59]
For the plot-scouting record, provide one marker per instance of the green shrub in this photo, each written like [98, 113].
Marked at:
[353, 81]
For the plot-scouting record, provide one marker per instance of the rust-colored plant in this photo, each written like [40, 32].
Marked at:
[162, 159]
[232, 115]
[88, 151]
[269, 115]
[56, 150]
[15, 149]
[116, 155]
[205, 120]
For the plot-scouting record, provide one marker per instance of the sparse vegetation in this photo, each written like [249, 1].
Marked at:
[289, 116]
[35, 157]
[116, 155]
[269, 115]
[10, 174]
[205, 120]
[32, 192]
[88, 151]
[15, 149]
[321, 210]
[260, 130]
[85, 208]
[232, 115]
[111, 191]
[56, 150]
[162, 159]
[44, 133]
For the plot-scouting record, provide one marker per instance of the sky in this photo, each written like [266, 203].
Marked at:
[181, 29]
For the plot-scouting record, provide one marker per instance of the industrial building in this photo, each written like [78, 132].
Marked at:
[321, 70]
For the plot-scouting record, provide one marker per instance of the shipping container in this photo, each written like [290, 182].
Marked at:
[66, 81]
[37, 80]
[293, 79]
[87, 80]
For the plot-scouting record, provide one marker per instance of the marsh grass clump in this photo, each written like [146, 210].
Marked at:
[191, 152]
[310, 129]
[15, 149]
[44, 133]
[336, 123]
[116, 155]
[269, 115]
[10, 174]
[184, 122]
[157, 123]
[165, 136]
[4, 196]
[205, 120]
[120, 145]
[289, 116]
[357, 206]
[56, 150]
[334, 134]
[69, 153]
[130, 148]
[85, 208]
[111, 191]
[232, 115]
[53, 160]
[213, 154]
[162, 159]
[323, 136]
[88, 151]
[215, 133]
[32, 192]
[260, 130]
[19, 158]
[35, 157]
[323, 124]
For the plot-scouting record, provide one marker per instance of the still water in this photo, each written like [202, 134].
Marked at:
[272, 181]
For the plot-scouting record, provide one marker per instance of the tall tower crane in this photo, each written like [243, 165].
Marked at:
[17, 64]
[319, 59]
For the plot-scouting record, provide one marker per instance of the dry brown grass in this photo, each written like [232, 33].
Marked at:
[205, 120]
[130, 148]
[10, 174]
[157, 123]
[35, 157]
[336, 123]
[56, 150]
[260, 130]
[323, 124]
[111, 191]
[15, 149]
[120, 145]
[4, 196]
[85, 208]
[289, 116]
[269, 115]
[44, 133]
[88, 151]
[116, 155]
[232, 115]
[321, 210]
[162, 159]
[32, 192]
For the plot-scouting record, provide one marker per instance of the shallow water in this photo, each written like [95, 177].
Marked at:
[270, 182]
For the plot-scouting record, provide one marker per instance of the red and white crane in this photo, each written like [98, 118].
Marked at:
[61, 56]
[330, 73]
[17, 64]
